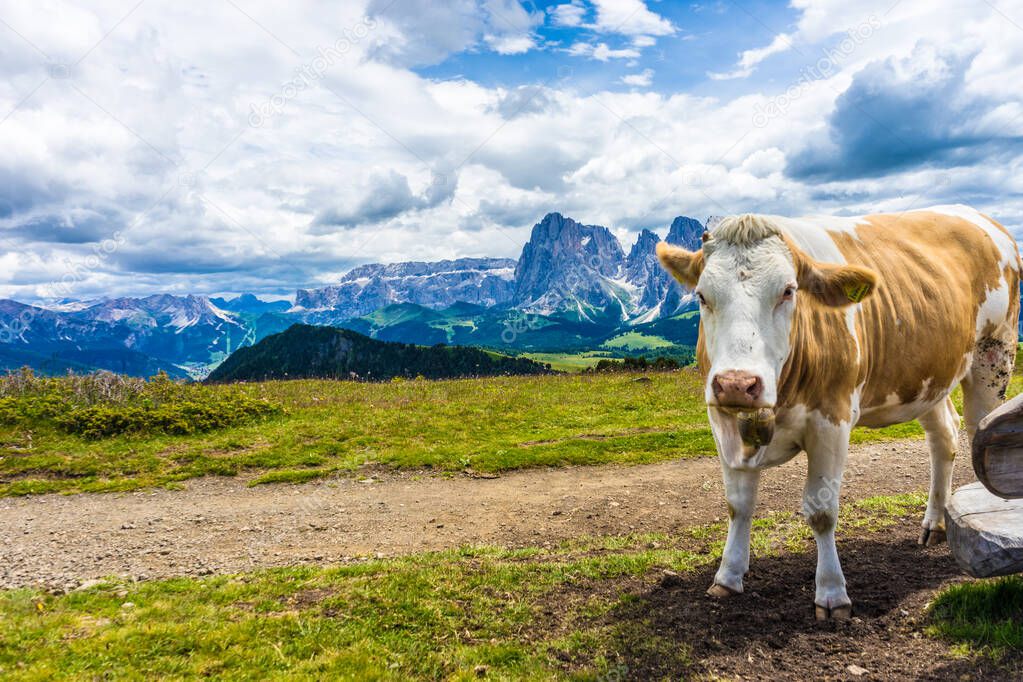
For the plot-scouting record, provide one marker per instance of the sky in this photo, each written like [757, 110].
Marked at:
[254, 146]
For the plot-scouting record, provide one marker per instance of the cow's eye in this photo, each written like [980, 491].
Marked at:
[788, 294]
[703, 301]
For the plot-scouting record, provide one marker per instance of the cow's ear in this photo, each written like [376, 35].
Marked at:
[833, 284]
[685, 266]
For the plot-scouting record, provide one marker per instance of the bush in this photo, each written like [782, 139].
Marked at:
[104, 404]
[640, 364]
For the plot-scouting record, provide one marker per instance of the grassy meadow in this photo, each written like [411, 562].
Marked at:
[982, 617]
[299, 430]
[571, 611]
[570, 362]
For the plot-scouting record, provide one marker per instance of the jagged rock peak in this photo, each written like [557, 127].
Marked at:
[685, 232]
[645, 243]
[566, 264]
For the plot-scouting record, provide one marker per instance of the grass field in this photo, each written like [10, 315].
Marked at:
[982, 617]
[323, 427]
[638, 342]
[533, 613]
[570, 362]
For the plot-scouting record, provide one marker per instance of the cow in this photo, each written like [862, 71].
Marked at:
[811, 326]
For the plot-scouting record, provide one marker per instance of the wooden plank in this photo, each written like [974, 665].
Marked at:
[985, 532]
[998, 450]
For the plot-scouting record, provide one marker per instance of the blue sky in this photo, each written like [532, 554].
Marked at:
[707, 37]
[250, 145]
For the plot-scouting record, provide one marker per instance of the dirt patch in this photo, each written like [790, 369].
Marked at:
[769, 632]
[304, 599]
[592, 436]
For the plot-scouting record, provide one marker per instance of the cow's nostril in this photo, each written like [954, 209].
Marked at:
[737, 388]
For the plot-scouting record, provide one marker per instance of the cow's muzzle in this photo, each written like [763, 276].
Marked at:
[737, 390]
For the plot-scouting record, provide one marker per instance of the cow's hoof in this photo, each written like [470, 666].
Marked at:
[834, 613]
[720, 591]
[929, 537]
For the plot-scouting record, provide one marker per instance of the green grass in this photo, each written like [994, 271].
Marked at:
[331, 427]
[483, 424]
[637, 341]
[532, 613]
[569, 362]
[983, 617]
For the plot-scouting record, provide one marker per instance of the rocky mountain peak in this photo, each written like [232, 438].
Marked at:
[645, 244]
[685, 232]
[568, 265]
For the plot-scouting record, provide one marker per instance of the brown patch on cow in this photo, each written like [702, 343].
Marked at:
[936, 271]
[817, 372]
[821, 521]
[1011, 327]
[933, 273]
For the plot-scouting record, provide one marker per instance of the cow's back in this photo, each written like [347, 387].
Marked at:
[948, 281]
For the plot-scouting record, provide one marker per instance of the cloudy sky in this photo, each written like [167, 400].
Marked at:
[244, 145]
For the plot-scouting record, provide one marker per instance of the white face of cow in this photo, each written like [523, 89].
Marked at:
[748, 278]
[747, 298]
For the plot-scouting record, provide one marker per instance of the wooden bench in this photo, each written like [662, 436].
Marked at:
[985, 519]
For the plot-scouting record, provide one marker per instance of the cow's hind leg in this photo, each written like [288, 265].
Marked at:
[941, 424]
[987, 378]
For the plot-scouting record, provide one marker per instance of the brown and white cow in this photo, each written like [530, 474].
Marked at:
[812, 326]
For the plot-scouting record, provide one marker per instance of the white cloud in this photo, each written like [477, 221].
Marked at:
[568, 15]
[729, 75]
[426, 32]
[150, 137]
[749, 59]
[510, 44]
[631, 18]
[640, 80]
[602, 52]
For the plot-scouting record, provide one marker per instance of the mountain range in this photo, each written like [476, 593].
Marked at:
[573, 287]
[566, 268]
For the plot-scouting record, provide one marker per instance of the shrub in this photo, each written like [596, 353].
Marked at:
[640, 364]
[104, 404]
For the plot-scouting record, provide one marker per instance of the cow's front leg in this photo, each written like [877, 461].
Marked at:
[741, 493]
[826, 464]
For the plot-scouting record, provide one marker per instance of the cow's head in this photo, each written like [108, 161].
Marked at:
[748, 278]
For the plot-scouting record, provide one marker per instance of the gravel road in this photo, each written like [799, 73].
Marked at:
[218, 525]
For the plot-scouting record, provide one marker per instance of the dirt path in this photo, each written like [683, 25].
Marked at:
[220, 525]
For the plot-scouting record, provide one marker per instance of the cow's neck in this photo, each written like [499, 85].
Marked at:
[822, 369]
